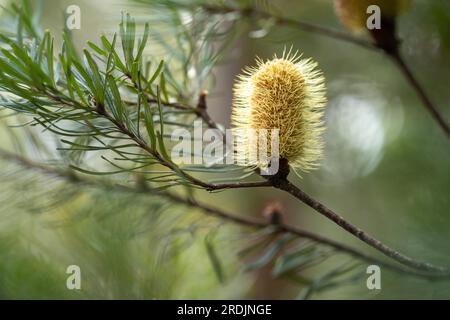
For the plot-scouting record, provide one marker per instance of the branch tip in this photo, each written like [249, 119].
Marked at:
[273, 212]
[202, 100]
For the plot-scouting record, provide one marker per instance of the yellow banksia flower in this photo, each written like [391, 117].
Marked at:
[353, 13]
[287, 94]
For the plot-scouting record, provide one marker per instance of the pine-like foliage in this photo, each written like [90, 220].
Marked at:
[98, 125]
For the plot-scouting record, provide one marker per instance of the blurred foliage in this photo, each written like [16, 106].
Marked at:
[383, 155]
[127, 247]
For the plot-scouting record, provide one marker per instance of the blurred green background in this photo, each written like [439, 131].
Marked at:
[386, 169]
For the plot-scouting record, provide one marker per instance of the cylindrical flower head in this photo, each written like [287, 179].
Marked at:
[353, 13]
[287, 94]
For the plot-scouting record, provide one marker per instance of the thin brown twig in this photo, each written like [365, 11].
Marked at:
[71, 177]
[281, 182]
[426, 102]
[202, 112]
[305, 26]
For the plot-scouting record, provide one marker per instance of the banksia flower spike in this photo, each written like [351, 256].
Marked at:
[287, 94]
